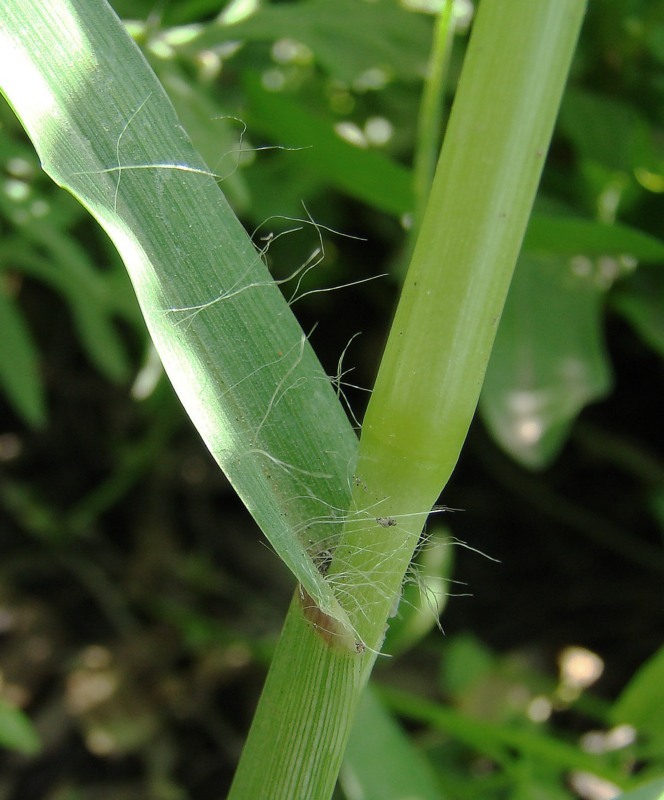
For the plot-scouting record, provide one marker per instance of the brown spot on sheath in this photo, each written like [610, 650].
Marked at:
[330, 630]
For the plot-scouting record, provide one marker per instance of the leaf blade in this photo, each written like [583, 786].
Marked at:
[106, 131]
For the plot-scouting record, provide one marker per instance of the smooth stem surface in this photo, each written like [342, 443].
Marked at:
[427, 388]
[441, 338]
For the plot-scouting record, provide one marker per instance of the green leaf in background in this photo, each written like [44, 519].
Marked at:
[19, 361]
[615, 148]
[548, 360]
[640, 299]
[651, 791]
[571, 236]
[641, 703]
[499, 741]
[381, 762]
[367, 175]
[16, 730]
[37, 244]
[424, 595]
[466, 662]
[347, 38]
[607, 131]
[94, 296]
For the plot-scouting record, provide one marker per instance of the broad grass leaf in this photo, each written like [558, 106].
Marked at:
[105, 129]
[214, 134]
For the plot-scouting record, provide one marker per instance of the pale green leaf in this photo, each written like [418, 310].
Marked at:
[649, 791]
[105, 130]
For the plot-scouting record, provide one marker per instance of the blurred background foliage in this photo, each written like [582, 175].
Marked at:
[139, 606]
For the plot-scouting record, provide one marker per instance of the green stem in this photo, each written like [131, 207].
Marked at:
[439, 345]
[300, 728]
[429, 123]
[427, 387]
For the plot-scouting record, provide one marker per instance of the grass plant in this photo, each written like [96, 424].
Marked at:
[345, 517]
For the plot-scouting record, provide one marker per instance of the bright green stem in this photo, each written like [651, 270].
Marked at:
[431, 110]
[427, 387]
[299, 732]
[439, 345]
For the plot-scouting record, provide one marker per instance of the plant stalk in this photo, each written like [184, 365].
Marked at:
[427, 388]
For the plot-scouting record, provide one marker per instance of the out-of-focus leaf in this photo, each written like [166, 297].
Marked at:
[641, 301]
[92, 295]
[651, 791]
[607, 131]
[347, 37]
[19, 363]
[424, 596]
[569, 236]
[171, 13]
[466, 662]
[641, 703]
[615, 152]
[548, 360]
[381, 763]
[278, 187]
[16, 730]
[497, 739]
[366, 175]
[37, 243]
